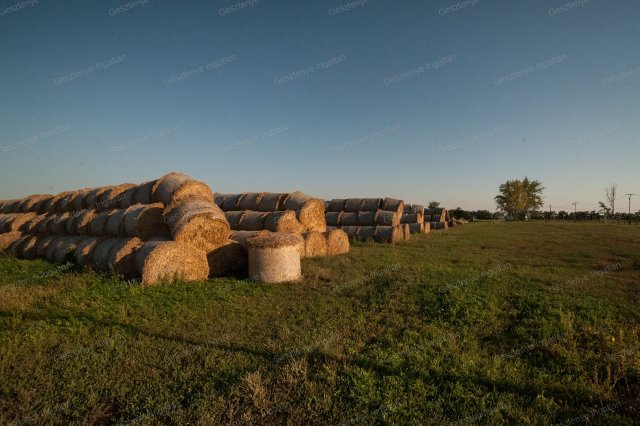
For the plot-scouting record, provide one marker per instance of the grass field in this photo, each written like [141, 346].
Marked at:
[489, 323]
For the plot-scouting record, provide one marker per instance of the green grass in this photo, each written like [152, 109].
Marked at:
[493, 323]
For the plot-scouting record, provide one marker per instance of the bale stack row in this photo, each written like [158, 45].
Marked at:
[374, 219]
[438, 218]
[414, 215]
[164, 229]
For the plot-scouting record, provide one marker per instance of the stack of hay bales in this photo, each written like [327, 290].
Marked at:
[438, 218]
[158, 230]
[414, 216]
[368, 219]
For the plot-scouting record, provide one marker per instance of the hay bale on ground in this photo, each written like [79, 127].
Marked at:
[16, 246]
[230, 202]
[176, 187]
[252, 221]
[234, 218]
[351, 231]
[388, 234]
[64, 247]
[387, 218]
[412, 218]
[28, 249]
[337, 241]
[158, 261]
[82, 222]
[8, 238]
[101, 253]
[197, 222]
[44, 241]
[230, 258]
[353, 205]
[315, 244]
[371, 204]
[427, 227]
[31, 203]
[283, 221]
[366, 233]
[309, 211]
[438, 215]
[333, 218]
[393, 205]
[366, 218]
[58, 225]
[416, 228]
[121, 257]
[145, 221]
[270, 202]
[249, 200]
[85, 249]
[142, 194]
[337, 205]
[98, 224]
[275, 258]
[115, 224]
[349, 219]
[406, 231]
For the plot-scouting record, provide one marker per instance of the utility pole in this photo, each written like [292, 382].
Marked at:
[630, 195]
[575, 211]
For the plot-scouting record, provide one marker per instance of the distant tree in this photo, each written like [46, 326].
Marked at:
[611, 198]
[604, 209]
[434, 205]
[458, 213]
[520, 198]
[562, 215]
[483, 215]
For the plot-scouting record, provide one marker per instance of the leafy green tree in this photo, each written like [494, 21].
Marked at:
[434, 205]
[520, 198]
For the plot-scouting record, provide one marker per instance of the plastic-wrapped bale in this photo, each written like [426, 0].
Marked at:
[353, 205]
[115, 224]
[110, 199]
[366, 218]
[30, 203]
[252, 221]
[315, 244]
[175, 187]
[230, 258]
[337, 205]
[283, 221]
[65, 246]
[9, 238]
[58, 225]
[234, 217]
[371, 204]
[349, 219]
[145, 221]
[387, 218]
[388, 234]
[158, 261]
[416, 228]
[142, 194]
[197, 222]
[270, 202]
[366, 233]
[121, 260]
[309, 211]
[85, 249]
[351, 231]
[275, 258]
[393, 205]
[249, 200]
[333, 218]
[412, 218]
[406, 231]
[337, 241]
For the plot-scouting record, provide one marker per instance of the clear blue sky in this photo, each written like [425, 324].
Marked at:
[305, 95]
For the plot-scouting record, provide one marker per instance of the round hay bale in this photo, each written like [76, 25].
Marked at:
[43, 244]
[366, 233]
[64, 247]
[333, 218]
[92, 199]
[98, 224]
[349, 219]
[353, 205]
[50, 252]
[275, 258]
[351, 231]
[337, 241]
[387, 218]
[412, 218]
[58, 225]
[406, 231]
[158, 261]
[315, 244]
[242, 237]
[12, 206]
[64, 203]
[145, 221]
[115, 224]
[28, 249]
[416, 228]
[230, 258]
[427, 227]
[249, 200]
[31, 203]
[234, 218]
[6, 207]
[337, 205]
[393, 205]
[175, 187]
[197, 222]
[85, 249]
[366, 218]
[417, 208]
[16, 221]
[101, 253]
[270, 202]
[41, 206]
[252, 221]
[77, 202]
[69, 224]
[5, 220]
[371, 204]
[388, 234]
[82, 222]
[7, 239]
[111, 198]
[121, 257]
[142, 194]
[427, 218]
[283, 221]
[31, 226]
[230, 202]
[16, 246]
[43, 225]
[126, 198]
[309, 211]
